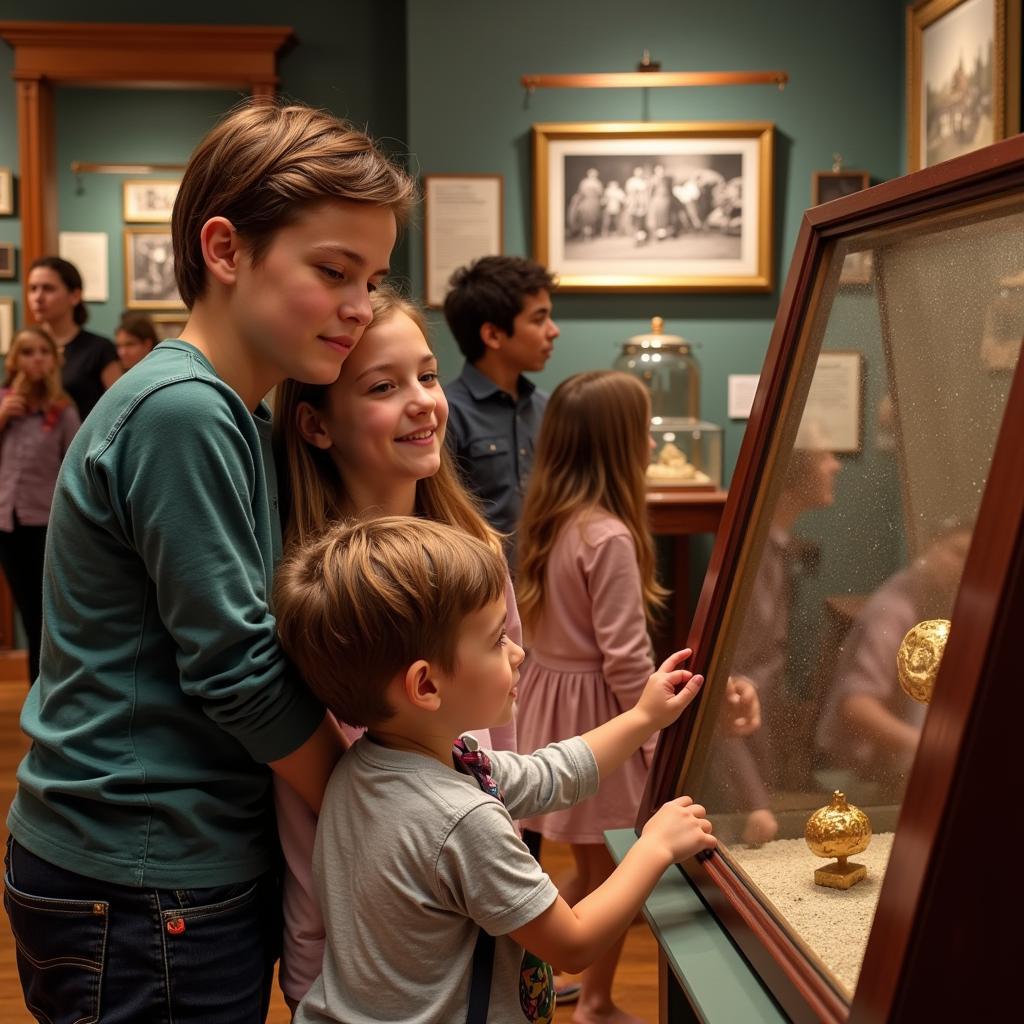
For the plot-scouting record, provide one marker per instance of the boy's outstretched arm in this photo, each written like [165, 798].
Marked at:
[572, 938]
[308, 768]
[659, 705]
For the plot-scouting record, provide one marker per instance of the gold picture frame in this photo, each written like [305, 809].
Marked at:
[6, 325]
[149, 269]
[954, 109]
[148, 200]
[6, 192]
[695, 212]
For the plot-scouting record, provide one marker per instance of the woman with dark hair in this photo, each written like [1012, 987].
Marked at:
[90, 360]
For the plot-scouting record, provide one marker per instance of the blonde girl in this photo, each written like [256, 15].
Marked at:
[587, 594]
[370, 444]
[37, 421]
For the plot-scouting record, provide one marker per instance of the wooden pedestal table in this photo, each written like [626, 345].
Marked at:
[678, 512]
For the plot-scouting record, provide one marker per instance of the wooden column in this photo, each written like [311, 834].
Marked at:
[38, 184]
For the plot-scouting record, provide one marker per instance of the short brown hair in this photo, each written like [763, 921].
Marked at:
[140, 326]
[365, 600]
[262, 166]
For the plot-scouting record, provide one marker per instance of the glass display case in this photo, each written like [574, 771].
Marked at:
[685, 453]
[666, 366]
[877, 508]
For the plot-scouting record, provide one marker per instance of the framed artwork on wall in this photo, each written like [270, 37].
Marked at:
[149, 270]
[169, 325]
[6, 324]
[963, 77]
[655, 206]
[463, 219]
[8, 260]
[6, 192]
[829, 185]
[148, 200]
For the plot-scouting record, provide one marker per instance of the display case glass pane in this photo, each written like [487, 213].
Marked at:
[860, 531]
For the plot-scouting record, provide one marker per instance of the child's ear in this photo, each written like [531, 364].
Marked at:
[421, 688]
[221, 249]
[492, 336]
[311, 427]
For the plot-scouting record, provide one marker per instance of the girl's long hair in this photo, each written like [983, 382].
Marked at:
[312, 490]
[592, 452]
[49, 392]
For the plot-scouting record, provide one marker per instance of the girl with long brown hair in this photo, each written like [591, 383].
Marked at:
[37, 422]
[370, 444]
[587, 593]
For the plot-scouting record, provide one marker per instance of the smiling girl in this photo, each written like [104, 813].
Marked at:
[370, 444]
[37, 421]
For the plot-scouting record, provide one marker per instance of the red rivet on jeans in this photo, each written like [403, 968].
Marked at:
[176, 925]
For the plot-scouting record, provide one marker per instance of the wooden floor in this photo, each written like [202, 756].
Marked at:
[636, 986]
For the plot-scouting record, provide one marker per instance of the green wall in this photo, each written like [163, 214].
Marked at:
[467, 113]
[348, 58]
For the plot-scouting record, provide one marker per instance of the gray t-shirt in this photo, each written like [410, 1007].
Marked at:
[412, 858]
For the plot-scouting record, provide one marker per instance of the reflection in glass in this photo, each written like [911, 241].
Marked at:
[851, 545]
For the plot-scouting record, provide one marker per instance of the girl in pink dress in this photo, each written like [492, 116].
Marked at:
[587, 591]
[370, 444]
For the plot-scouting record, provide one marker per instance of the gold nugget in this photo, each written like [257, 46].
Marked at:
[838, 830]
[919, 658]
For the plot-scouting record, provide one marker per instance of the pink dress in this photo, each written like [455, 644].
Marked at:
[589, 659]
[302, 951]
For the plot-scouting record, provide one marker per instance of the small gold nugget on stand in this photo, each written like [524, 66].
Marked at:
[839, 830]
[919, 658]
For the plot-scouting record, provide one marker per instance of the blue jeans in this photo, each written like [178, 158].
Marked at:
[93, 951]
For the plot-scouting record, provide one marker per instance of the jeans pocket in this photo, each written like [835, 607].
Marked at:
[218, 941]
[61, 950]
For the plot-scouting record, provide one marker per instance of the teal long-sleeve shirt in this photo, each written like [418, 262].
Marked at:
[162, 690]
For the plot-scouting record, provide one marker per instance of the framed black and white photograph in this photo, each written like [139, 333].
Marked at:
[169, 325]
[149, 270]
[659, 206]
[8, 261]
[149, 201]
[963, 77]
[6, 325]
[6, 192]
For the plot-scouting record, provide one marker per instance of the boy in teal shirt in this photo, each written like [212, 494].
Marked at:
[144, 802]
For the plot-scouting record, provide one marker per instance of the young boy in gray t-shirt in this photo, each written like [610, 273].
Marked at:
[429, 896]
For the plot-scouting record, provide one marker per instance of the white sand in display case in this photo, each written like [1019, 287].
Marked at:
[834, 923]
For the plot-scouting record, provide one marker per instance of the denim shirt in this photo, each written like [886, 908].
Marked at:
[492, 436]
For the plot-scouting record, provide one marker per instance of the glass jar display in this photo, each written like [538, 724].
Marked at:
[665, 365]
[686, 453]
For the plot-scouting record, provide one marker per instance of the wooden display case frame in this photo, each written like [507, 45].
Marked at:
[929, 954]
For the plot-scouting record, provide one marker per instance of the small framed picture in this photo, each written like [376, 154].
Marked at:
[6, 325]
[462, 221]
[149, 200]
[8, 260]
[6, 192]
[169, 325]
[829, 185]
[149, 270]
